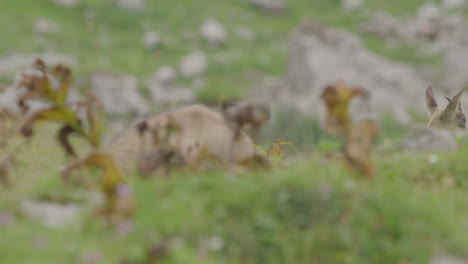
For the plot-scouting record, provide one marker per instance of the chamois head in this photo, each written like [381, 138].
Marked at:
[241, 114]
[449, 116]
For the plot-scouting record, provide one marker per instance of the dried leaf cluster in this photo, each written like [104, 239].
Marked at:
[84, 119]
[358, 137]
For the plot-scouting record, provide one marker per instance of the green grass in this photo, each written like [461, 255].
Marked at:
[308, 210]
[106, 38]
[312, 211]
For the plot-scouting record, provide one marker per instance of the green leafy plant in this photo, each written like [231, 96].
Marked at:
[52, 86]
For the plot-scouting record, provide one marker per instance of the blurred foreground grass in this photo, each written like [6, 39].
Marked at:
[310, 211]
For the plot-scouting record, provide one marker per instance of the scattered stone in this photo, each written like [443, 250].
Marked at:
[270, 6]
[421, 138]
[118, 93]
[163, 89]
[429, 11]
[45, 26]
[162, 94]
[132, 5]
[351, 4]
[385, 26]
[452, 4]
[8, 100]
[446, 259]
[166, 75]
[245, 33]
[13, 62]
[213, 32]
[193, 65]
[50, 214]
[67, 3]
[151, 40]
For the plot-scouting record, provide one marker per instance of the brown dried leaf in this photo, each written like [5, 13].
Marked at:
[337, 98]
[276, 151]
[62, 137]
[55, 113]
[358, 149]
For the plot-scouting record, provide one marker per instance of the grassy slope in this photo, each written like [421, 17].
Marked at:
[301, 214]
[106, 38]
[411, 210]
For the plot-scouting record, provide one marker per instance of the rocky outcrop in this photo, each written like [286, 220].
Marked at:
[425, 139]
[319, 55]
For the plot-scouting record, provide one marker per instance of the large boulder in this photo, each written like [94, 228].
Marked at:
[13, 62]
[319, 56]
[432, 32]
[425, 139]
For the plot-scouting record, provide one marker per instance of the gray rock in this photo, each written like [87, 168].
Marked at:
[429, 11]
[118, 93]
[166, 75]
[164, 91]
[193, 65]
[50, 214]
[45, 26]
[455, 72]
[132, 5]
[161, 94]
[13, 62]
[386, 26]
[9, 98]
[425, 139]
[452, 4]
[270, 6]
[213, 32]
[351, 4]
[151, 39]
[67, 3]
[319, 56]
[446, 259]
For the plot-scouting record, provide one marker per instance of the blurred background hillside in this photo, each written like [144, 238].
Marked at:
[140, 56]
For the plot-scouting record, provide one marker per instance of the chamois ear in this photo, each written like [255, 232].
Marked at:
[430, 101]
[142, 126]
[450, 109]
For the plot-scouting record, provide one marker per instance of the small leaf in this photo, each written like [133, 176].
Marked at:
[54, 113]
[62, 137]
[64, 74]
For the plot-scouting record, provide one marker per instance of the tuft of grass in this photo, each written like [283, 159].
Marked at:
[311, 211]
